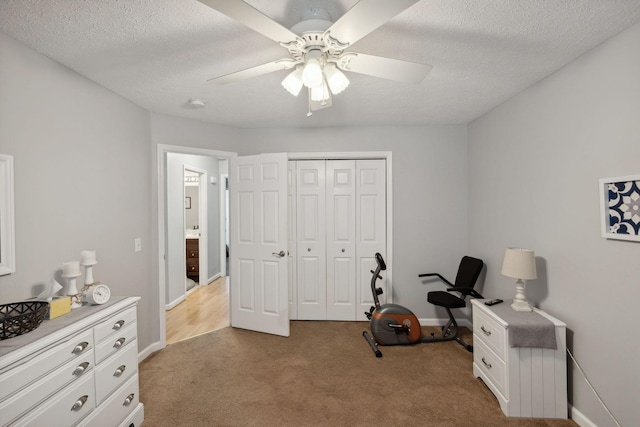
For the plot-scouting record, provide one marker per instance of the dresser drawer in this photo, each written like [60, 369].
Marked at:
[117, 407]
[114, 324]
[489, 331]
[115, 370]
[40, 364]
[116, 342]
[21, 402]
[492, 367]
[66, 408]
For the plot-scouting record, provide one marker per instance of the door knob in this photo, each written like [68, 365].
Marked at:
[278, 254]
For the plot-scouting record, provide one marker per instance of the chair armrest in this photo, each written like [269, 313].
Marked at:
[466, 291]
[436, 274]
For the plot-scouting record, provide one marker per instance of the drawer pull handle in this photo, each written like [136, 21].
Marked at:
[119, 371]
[81, 368]
[128, 400]
[488, 365]
[487, 333]
[80, 347]
[119, 343]
[119, 324]
[79, 403]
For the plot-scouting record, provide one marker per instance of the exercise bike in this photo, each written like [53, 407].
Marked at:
[391, 324]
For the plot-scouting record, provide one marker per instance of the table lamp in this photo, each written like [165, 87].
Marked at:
[521, 265]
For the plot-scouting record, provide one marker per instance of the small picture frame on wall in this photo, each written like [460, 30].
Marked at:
[187, 202]
[620, 207]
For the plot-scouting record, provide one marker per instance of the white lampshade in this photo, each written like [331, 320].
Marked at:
[336, 79]
[320, 93]
[312, 74]
[293, 82]
[519, 263]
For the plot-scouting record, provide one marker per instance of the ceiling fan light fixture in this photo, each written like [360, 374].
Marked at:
[293, 82]
[336, 79]
[320, 93]
[312, 74]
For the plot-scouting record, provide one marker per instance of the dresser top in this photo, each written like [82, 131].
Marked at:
[83, 317]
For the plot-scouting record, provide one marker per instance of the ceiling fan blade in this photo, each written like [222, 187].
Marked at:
[366, 16]
[269, 67]
[386, 68]
[247, 15]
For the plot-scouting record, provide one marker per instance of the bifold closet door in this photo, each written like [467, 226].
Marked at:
[371, 230]
[311, 259]
[341, 239]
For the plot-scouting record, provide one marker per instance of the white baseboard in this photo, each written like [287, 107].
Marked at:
[174, 303]
[149, 350]
[441, 322]
[211, 279]
[580, 419]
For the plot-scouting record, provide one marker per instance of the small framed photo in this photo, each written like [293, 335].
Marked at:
[187, 202]
[620, 207]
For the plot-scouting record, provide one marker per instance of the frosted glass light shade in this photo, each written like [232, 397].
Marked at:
[519, 263]
[293, 82]
[312, 74]
[336, 79]
[320, 93]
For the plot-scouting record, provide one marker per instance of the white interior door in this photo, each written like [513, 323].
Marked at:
[311, 240]
[341, 240]
[258, 234]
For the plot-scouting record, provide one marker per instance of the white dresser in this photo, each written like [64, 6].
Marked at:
[527, 381]
[77, 369]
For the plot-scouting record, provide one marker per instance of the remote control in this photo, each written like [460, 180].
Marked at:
[493, 301]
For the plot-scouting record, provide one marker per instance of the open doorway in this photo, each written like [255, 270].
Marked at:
[190, 193]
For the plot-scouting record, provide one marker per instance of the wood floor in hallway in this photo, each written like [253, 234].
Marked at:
[205, 309]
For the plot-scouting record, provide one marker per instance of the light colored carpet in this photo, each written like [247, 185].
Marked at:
[324, 374]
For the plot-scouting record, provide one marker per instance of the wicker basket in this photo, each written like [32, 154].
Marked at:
[21, 317]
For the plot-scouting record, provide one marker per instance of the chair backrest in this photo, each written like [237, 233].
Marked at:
[468, 272]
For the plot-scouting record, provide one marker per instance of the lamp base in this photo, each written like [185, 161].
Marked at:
[521, 305]
[520, 302]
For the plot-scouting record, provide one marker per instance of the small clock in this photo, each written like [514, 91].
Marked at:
[98, 294]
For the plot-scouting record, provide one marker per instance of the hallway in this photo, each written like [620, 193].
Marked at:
[204, 310]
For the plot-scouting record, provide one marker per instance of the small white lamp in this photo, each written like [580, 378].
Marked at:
[521, 265]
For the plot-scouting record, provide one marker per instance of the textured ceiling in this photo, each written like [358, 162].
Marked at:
[159, 54]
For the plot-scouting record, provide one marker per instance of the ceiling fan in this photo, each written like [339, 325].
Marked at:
[318, 48]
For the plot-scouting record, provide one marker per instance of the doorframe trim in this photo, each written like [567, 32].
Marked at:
[161, 151]
[366, 155]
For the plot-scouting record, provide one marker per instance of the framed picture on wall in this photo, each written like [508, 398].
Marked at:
[620, 207]
[187, 202]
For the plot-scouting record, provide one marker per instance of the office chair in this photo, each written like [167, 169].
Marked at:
[468, 273]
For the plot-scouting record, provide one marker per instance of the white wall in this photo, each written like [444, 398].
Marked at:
[534, 164]
[82, 169]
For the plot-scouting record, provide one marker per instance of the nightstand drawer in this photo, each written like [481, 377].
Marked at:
[115, 370]
[114, 324]
[493, 368]
[490, 332]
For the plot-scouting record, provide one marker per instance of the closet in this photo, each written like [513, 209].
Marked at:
[337, 211]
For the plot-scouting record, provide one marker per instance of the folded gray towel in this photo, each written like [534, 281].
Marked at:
[527, 328]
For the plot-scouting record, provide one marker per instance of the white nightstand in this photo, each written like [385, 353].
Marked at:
[527, 381]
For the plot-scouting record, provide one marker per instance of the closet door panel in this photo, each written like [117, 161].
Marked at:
[341, 240]
[291, 253]
[371, 228]
[310, 241]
